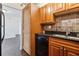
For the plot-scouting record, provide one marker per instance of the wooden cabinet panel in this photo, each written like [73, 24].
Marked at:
[42, 14]
[46, 13]
[56, 50]
[61, 47]
[71, 5]
[71, 52]
[34, 25]
[60, 7]
[49, 12]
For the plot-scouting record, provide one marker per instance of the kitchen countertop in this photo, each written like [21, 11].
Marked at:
[61, 36]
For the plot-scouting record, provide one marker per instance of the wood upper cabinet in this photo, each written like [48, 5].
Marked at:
[49, 12]
[60, 47]
[46, 13]
[42, 14]
[59, 7]
[71, 5]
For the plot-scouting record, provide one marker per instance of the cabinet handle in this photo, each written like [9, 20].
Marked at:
[61, 51]
[65, 52]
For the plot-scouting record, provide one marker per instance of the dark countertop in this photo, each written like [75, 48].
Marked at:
[61, 36]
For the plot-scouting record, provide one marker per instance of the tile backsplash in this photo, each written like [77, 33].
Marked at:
[65, 23]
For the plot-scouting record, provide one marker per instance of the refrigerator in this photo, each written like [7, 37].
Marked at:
[2, 28]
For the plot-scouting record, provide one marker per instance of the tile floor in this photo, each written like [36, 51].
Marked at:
[10, 47]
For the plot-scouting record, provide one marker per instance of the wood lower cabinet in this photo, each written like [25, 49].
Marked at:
[61, 47]
[70, 52]
[56, 50]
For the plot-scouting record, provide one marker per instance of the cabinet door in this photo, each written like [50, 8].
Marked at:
[71, 52]
[55, 50]
[71, 5]
[60, 7]
[42, 14]
[49, 12]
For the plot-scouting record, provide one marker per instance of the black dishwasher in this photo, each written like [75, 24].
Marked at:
[41, 45]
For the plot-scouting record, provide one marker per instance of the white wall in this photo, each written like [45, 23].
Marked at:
[12, 22]
[11, 25]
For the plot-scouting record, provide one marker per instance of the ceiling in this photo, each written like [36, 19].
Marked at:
[20, 6]
[17, 6]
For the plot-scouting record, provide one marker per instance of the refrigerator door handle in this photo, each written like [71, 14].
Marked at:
[3, 25]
